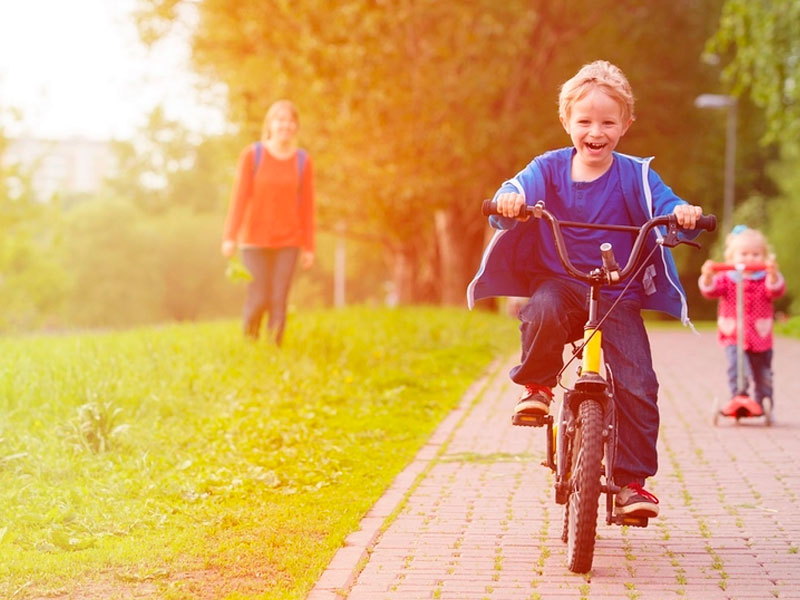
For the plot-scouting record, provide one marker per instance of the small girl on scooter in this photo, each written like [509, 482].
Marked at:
[748, 250]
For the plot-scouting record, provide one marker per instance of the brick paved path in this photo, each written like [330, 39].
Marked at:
[473, 516]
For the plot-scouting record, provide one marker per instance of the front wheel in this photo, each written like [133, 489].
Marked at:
[581, 520]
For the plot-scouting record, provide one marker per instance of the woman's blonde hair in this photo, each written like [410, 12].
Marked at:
[598, 74]
[742, 232]
[272, 110]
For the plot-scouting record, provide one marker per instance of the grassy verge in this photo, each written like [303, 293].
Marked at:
[790, 327]
[183, 462]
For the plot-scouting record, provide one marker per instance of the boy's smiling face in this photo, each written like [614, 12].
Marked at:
[595, 124]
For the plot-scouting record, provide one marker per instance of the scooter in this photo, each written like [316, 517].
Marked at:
[741, 406]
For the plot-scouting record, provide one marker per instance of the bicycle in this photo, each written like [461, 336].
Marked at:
[580, 445]
[741, 406]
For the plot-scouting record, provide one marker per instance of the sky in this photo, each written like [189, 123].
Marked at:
[75, 68]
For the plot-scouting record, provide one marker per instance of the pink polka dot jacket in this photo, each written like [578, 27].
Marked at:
[758, 312]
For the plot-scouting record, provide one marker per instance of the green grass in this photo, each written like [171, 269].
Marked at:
[790, 327]
[188, 463]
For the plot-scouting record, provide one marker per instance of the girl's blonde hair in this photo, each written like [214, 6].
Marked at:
[740, 233]
[598, 74]
[273, 109]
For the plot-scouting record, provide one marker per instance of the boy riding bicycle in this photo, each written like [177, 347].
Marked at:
[590, 183]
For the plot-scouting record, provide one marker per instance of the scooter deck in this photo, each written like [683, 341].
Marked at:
[742, 407]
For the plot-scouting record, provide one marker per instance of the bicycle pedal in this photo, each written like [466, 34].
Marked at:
[631, 521]
[521, 419]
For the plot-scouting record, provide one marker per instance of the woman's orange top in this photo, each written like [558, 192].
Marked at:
[271, 207]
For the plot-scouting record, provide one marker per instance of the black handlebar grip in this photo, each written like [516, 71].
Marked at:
[488, 208]
[707, 222]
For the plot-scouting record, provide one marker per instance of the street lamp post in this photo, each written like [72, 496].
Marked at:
[729, 102]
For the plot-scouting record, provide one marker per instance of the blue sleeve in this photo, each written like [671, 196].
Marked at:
[530, 183]
[665, 201]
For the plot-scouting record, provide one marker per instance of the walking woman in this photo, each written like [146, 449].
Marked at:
[271, 218]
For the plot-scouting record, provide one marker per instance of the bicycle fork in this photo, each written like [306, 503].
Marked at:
[562, 435]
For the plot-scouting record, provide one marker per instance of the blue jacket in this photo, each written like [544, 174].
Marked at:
[503, 270]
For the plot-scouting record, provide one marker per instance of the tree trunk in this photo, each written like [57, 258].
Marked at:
[403, 276]
[461, 239]
[450, 260]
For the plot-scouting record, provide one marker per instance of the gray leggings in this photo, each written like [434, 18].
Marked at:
[272, 270]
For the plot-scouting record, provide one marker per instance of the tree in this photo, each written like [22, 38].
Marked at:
[31, 282]
[418, 111]
[761, 39]
[128, 268]
[109, 256]
[759, 42]
[782, 219]
[146, 249]
[166, 166]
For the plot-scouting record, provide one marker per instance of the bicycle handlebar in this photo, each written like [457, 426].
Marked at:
[612, 272]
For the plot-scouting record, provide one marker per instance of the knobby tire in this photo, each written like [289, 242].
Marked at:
[582, 506]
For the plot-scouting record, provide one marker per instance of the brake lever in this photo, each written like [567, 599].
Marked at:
[672, 239]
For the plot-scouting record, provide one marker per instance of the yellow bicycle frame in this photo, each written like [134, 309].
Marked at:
[592, 339]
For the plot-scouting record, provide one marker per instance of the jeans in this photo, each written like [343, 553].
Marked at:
[757, 366]
[272, 270]
[554, 316]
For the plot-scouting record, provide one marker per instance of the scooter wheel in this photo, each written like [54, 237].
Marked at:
[715, 411]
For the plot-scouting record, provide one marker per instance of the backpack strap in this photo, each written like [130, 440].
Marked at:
[258, 149]
[301, 164]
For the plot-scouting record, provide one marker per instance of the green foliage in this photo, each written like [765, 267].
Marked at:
[128, 268]
[167, 455]
[108, 254]
[762, 40]
[146, 248]
[95, 428]
[760, 45]
[167, 167]
[236, 271]
[190, 268]
[430, 106]
[791, 327]
[781, 229]
[31, 282]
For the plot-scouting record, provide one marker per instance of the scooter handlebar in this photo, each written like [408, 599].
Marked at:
[718, 267]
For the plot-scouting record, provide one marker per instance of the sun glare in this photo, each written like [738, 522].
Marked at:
[78, 69]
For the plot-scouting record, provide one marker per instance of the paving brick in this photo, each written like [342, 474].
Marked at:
[482, 522]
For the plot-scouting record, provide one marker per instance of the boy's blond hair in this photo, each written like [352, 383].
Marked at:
[274, 108]
[740, 233]
[598, 74]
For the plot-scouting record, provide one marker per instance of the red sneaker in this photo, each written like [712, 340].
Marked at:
[534, 400]
[634, 501]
